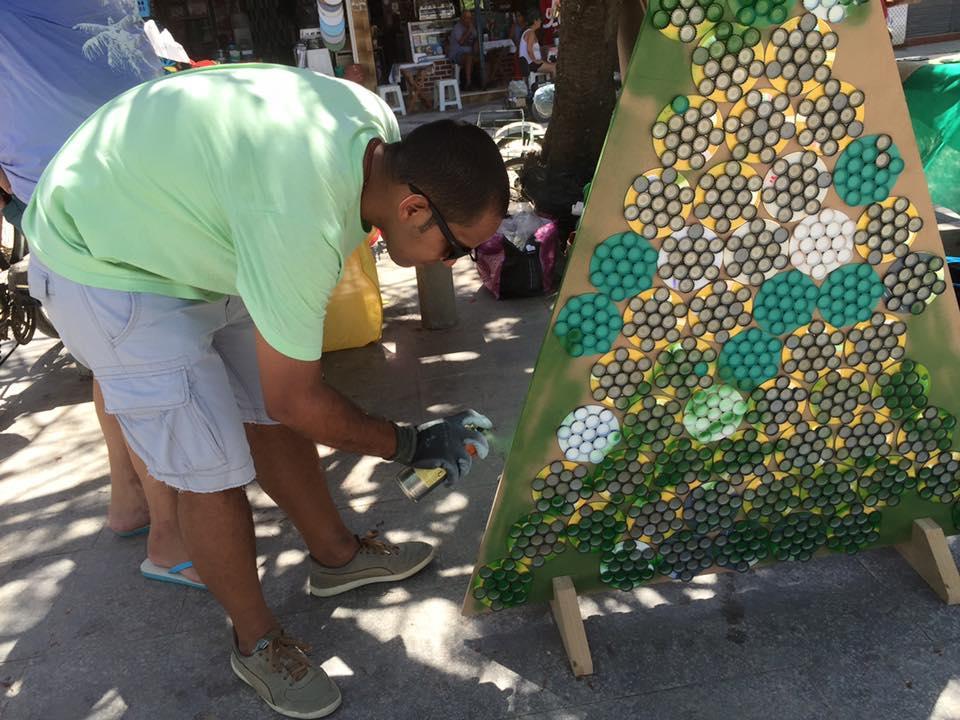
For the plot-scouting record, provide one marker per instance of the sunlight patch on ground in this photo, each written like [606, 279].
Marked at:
[453, 501]
[336, 667]
[948, 704]
[110, 706]
[461, 356]
[501, 329]
[458, 571]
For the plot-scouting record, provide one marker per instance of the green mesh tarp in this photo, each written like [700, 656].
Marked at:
[933, 98]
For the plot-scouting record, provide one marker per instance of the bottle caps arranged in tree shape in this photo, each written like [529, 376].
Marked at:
[727, 196]
[690, 258]
[869, 436]
[756, 251]
[655, 517]
[795, 186]
[623, 265]
[887, 229]
[829, 489]
[939, 479]
[771, 495]
[619, 377]
[686, 555]
[657, 203]
[775, 405]
[587, 324]
[683, 367]
[833, 10]
[741, 456]
[727, 62]
[588, 433]
[886, 481]
[805, 448]
[714, 505]
[760, 126]
[502, 584]
[926, 433]
[595, 527]
[749, 358]
[840, 395]
[714, 413]
[746, 545]
[761, 13]
[719, 310]
[800, 55]
[785, 302]
[654, 318]
[536, 538]
[682, 466]
[559, 486]
[686, 20]
[798, 536]
[875, 344]
[849, 295]
[822, 243]
[830, 117]
[651, 423]
[854, 529]
[904, 388]
[913, 282]
[628, 564]
[687, 132]
[622, 475]
[811, 350]
[867, 170]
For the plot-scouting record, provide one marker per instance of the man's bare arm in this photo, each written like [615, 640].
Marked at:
[297, 396]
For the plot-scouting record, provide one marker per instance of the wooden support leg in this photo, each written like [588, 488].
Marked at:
[928, 554]
[566, 613]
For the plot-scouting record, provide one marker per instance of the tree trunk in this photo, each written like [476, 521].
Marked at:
[584, 102]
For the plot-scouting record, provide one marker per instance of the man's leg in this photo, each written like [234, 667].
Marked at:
[128, 506]
[229, 568]
[289, 471]
[467, 62]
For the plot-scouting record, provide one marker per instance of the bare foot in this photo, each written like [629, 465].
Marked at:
[124, 519]
[165, 548]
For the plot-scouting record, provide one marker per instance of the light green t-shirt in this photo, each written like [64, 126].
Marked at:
[231, 180]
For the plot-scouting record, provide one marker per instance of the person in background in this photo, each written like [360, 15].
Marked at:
[530, 46]
[463, 46]
[59, 61]
[518, 25]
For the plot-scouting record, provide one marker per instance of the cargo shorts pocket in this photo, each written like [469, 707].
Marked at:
[163, 422]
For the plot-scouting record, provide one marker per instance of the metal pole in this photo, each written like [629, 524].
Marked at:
[483, 71]
[438, 309]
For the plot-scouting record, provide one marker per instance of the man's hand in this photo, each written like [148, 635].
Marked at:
[445, 443]
[297, 396]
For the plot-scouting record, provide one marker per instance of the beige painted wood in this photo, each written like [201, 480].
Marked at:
[928, 554]
[566, 613]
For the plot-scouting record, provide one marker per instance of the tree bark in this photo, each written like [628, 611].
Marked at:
[584, 102]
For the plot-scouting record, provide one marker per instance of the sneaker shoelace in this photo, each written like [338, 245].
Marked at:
[288, 655]
[371, 545]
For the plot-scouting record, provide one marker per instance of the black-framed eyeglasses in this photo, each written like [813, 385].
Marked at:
[457, 249]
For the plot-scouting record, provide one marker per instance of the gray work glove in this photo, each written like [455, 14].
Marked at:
[444, 443]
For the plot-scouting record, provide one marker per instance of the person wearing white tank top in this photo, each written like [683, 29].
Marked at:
[530, 47]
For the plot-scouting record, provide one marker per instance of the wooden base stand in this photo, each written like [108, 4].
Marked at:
[928, 554]
[566, 613]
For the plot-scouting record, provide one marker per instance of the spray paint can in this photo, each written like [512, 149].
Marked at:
[417, 482]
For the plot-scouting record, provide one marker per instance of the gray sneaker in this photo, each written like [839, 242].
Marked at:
[375, 562]
[286, 680]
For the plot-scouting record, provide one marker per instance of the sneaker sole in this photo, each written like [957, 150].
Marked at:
[323, 712]
[336, 590]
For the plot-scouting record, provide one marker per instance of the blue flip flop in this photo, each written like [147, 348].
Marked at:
[136, 532]
[172, 575]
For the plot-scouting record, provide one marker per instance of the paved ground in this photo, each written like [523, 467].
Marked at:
[82, 636]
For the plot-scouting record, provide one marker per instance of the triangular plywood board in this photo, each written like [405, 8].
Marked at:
[753, 356]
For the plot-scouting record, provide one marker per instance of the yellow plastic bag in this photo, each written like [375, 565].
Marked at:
[355, 309]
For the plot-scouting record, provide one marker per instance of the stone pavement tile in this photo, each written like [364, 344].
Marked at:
[917, 601]
[892, 681]
[30, 535]
[77, 600]
[747, 697]
[11, 682]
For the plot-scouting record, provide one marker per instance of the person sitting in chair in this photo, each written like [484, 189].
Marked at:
[530, 47]
[463, 47]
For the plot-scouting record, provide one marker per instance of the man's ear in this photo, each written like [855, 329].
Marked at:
[413, 206]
